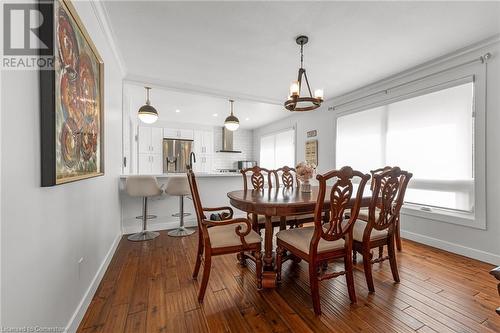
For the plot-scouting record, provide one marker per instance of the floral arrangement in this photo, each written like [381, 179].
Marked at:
[305, 170]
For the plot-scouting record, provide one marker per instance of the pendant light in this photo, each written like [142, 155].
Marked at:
[148, 114]
[232, 123]
[295, 102]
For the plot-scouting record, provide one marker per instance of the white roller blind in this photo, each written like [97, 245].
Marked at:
[278, 150]
[430, 135]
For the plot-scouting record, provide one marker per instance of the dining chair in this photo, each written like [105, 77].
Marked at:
[286, 178]
[363, 213]
[231, 235]
[260, 179]
[387, 198]
[324, 242]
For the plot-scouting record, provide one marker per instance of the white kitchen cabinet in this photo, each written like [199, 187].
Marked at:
[150, 164]
[204, 149]
[150, 140]
[176, 133]
[203, 142]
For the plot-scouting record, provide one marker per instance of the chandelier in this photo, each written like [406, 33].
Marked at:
[295, 102]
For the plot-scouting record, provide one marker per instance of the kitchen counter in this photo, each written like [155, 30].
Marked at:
[198, 175]
[213, 188]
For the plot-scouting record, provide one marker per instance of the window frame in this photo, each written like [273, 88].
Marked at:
[472, 72]
[274, 133]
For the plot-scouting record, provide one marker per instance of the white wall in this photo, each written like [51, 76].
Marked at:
[45, 231]
[320, 120]
[480, 244]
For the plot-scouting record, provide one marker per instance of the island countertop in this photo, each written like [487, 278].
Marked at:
[198, 175]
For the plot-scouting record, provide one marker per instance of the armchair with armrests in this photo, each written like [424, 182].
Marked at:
[232, 235]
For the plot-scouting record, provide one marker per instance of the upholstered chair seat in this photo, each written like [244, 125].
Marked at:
[300, 238]
[359, 229]
[225, 236]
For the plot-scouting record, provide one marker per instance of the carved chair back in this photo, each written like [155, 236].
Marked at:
[388, 198]
[258, 177]
[285, 176]
[340, 194]
[378, 172]
[198, 207]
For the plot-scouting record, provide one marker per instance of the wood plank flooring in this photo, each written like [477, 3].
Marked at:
[148, 288]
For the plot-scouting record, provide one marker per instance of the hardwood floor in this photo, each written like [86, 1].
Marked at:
[148, 288]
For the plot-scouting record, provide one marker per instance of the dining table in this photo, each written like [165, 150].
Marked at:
[282, 202]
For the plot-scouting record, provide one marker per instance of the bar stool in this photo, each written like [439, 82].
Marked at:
[179, 186]
[145, 187]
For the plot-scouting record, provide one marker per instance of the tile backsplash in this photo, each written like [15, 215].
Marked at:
[243, 140]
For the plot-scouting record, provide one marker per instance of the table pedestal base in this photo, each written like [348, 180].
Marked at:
[268, 279]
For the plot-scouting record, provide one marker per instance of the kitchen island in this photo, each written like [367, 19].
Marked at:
[213, 188]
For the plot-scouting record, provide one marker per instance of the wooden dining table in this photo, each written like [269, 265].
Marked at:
[281, 202]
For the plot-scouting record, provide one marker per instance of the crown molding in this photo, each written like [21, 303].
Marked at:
[142, 81]
[104, 23]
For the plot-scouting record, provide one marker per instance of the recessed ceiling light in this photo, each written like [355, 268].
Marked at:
[215, 115]
[177, 111]
[247, 119]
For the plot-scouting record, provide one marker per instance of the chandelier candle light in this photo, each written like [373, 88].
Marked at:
[232, 123]
[148, 114]
[295, 102]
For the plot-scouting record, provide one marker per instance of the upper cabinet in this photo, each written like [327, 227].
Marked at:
[176, 133]
[150, 140]
[203, 141]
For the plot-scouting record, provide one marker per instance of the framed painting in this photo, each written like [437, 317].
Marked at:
[72, 97]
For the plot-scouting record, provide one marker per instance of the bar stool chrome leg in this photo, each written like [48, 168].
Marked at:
[144, 234]
[181, 231]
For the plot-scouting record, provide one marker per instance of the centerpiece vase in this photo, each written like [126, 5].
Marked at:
[305, 186]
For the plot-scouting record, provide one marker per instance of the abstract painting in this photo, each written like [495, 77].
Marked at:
[72, 103]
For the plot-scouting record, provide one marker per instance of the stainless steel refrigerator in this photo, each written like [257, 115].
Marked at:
[176, 155]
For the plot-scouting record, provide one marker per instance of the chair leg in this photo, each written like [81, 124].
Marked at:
[279, 258]
[380, 252]
[206, 274]
[397, 234]
[367, 266]
[349, 275]
[354, 256]
[392, 259]
[258, 268]
[241, 259]
[199, 255]
[314, 282]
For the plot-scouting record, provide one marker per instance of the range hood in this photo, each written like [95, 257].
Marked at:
[227, 142]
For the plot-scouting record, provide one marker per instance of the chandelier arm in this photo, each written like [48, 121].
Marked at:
[307, 82]
[299, 80]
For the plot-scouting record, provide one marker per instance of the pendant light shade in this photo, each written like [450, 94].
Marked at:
[232, 123]
[147, 114]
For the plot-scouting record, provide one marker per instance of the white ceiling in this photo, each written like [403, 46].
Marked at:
[247, 49]
[200, 109]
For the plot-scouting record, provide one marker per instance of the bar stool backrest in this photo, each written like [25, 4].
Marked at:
[178, 185]
[142, 186]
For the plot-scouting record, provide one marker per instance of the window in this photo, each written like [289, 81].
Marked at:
[431, 135]
[277, 150]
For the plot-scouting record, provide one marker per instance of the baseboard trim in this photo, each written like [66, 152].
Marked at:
[162, 224]
[484, 256]
[77, 317]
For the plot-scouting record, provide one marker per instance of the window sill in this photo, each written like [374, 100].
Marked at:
[441, 215]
